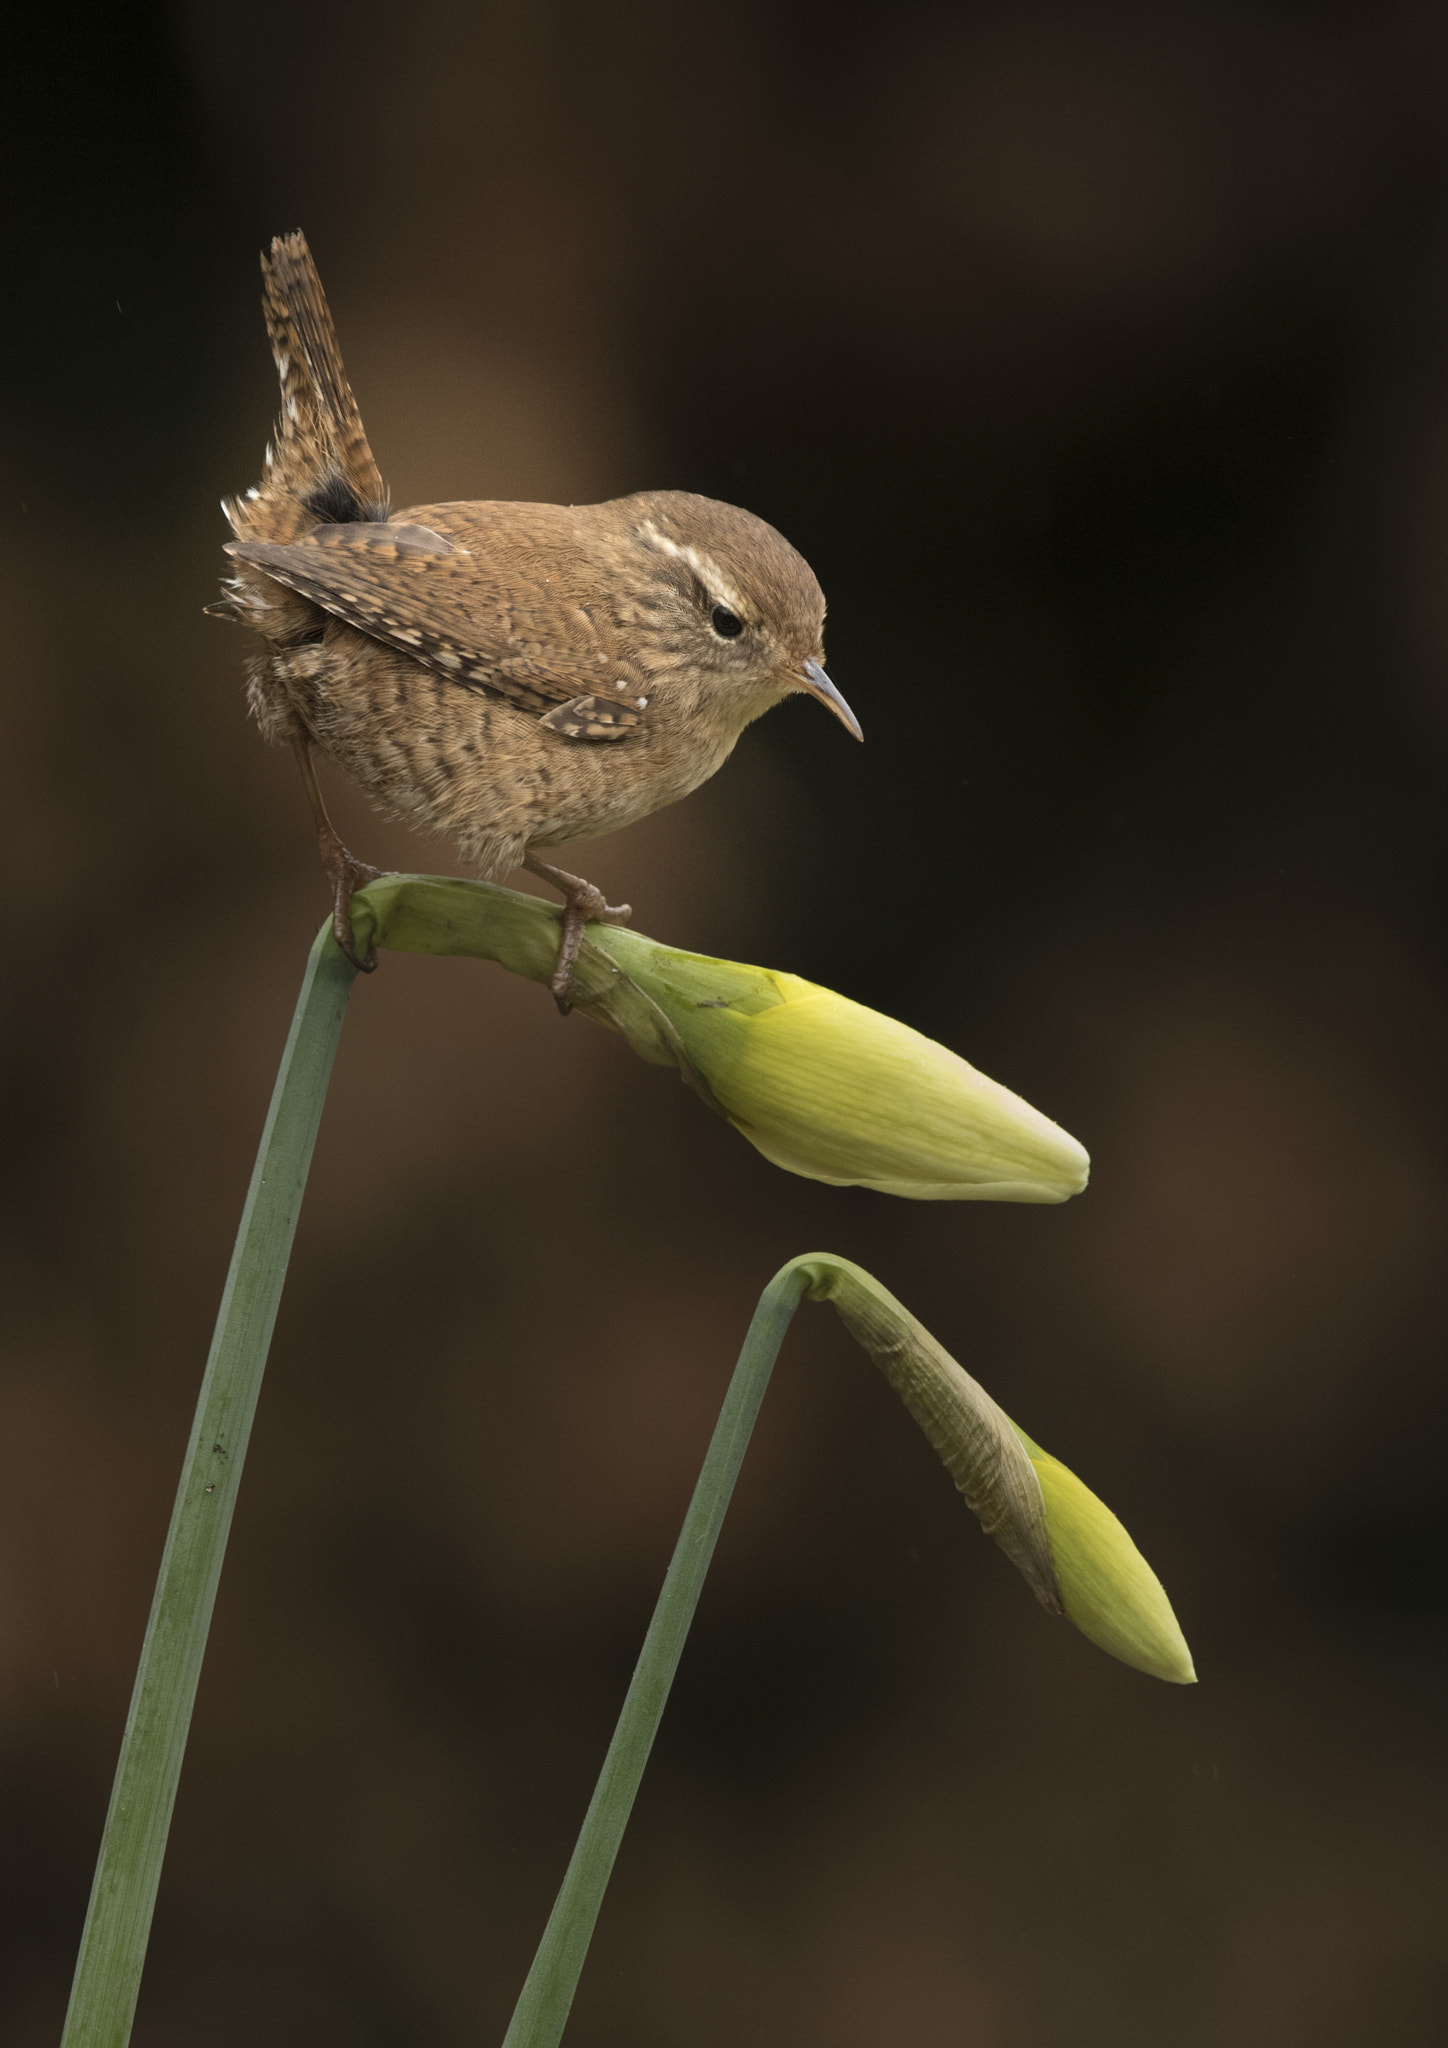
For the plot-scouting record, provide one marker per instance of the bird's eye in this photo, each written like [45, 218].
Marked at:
[728, 625]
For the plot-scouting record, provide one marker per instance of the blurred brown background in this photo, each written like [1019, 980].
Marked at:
[1097, 358]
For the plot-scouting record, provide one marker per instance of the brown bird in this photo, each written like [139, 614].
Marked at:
[517, 676]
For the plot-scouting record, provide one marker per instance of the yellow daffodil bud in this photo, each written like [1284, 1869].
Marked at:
[1107, 1587]
[827, 1088]
[1067, 1545]
[820, 1085]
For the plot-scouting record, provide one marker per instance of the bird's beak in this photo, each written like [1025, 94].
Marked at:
[814, 679]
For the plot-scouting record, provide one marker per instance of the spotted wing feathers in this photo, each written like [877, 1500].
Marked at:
[418, 591]
[593, 718]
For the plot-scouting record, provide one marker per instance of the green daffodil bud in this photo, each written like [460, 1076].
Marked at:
[827, 1088]
[820, 1085]
[1067, 1545]
[1107, 1587]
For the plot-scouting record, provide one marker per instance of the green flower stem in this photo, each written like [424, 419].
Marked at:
[820, 1085]
[1071, 1549]
[542, 2010]
[1105, 1586]
[118, 1921]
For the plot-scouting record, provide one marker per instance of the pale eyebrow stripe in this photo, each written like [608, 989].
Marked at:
[704, 567]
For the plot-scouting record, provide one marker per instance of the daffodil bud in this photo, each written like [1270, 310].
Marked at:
[827, 1088]
[1107, 1587]
[1067, 1545]
[820, 1085]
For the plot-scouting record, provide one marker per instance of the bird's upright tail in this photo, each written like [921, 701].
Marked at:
[318, 468]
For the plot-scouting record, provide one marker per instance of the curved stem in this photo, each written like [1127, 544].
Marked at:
[542, 2010]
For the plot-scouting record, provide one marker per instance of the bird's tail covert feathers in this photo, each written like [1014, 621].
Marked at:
[319, 467]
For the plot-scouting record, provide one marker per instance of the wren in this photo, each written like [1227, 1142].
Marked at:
[516, 676]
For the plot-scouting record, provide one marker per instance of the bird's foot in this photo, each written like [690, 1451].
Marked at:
[582, 904]
[346, 874]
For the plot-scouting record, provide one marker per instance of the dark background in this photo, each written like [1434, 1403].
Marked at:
[1097, 358]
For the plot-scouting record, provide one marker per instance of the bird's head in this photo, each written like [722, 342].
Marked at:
[725, 616]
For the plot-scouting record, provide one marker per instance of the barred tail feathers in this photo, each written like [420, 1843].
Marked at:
[319, 467]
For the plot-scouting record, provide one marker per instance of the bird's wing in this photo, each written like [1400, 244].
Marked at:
[420, 592]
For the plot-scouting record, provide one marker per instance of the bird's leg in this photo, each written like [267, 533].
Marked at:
[581, 902]
[343, 870]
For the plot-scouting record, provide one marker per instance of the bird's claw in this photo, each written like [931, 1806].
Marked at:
[347, 874]
[582, 904]
[582, 909]
[577, 914]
